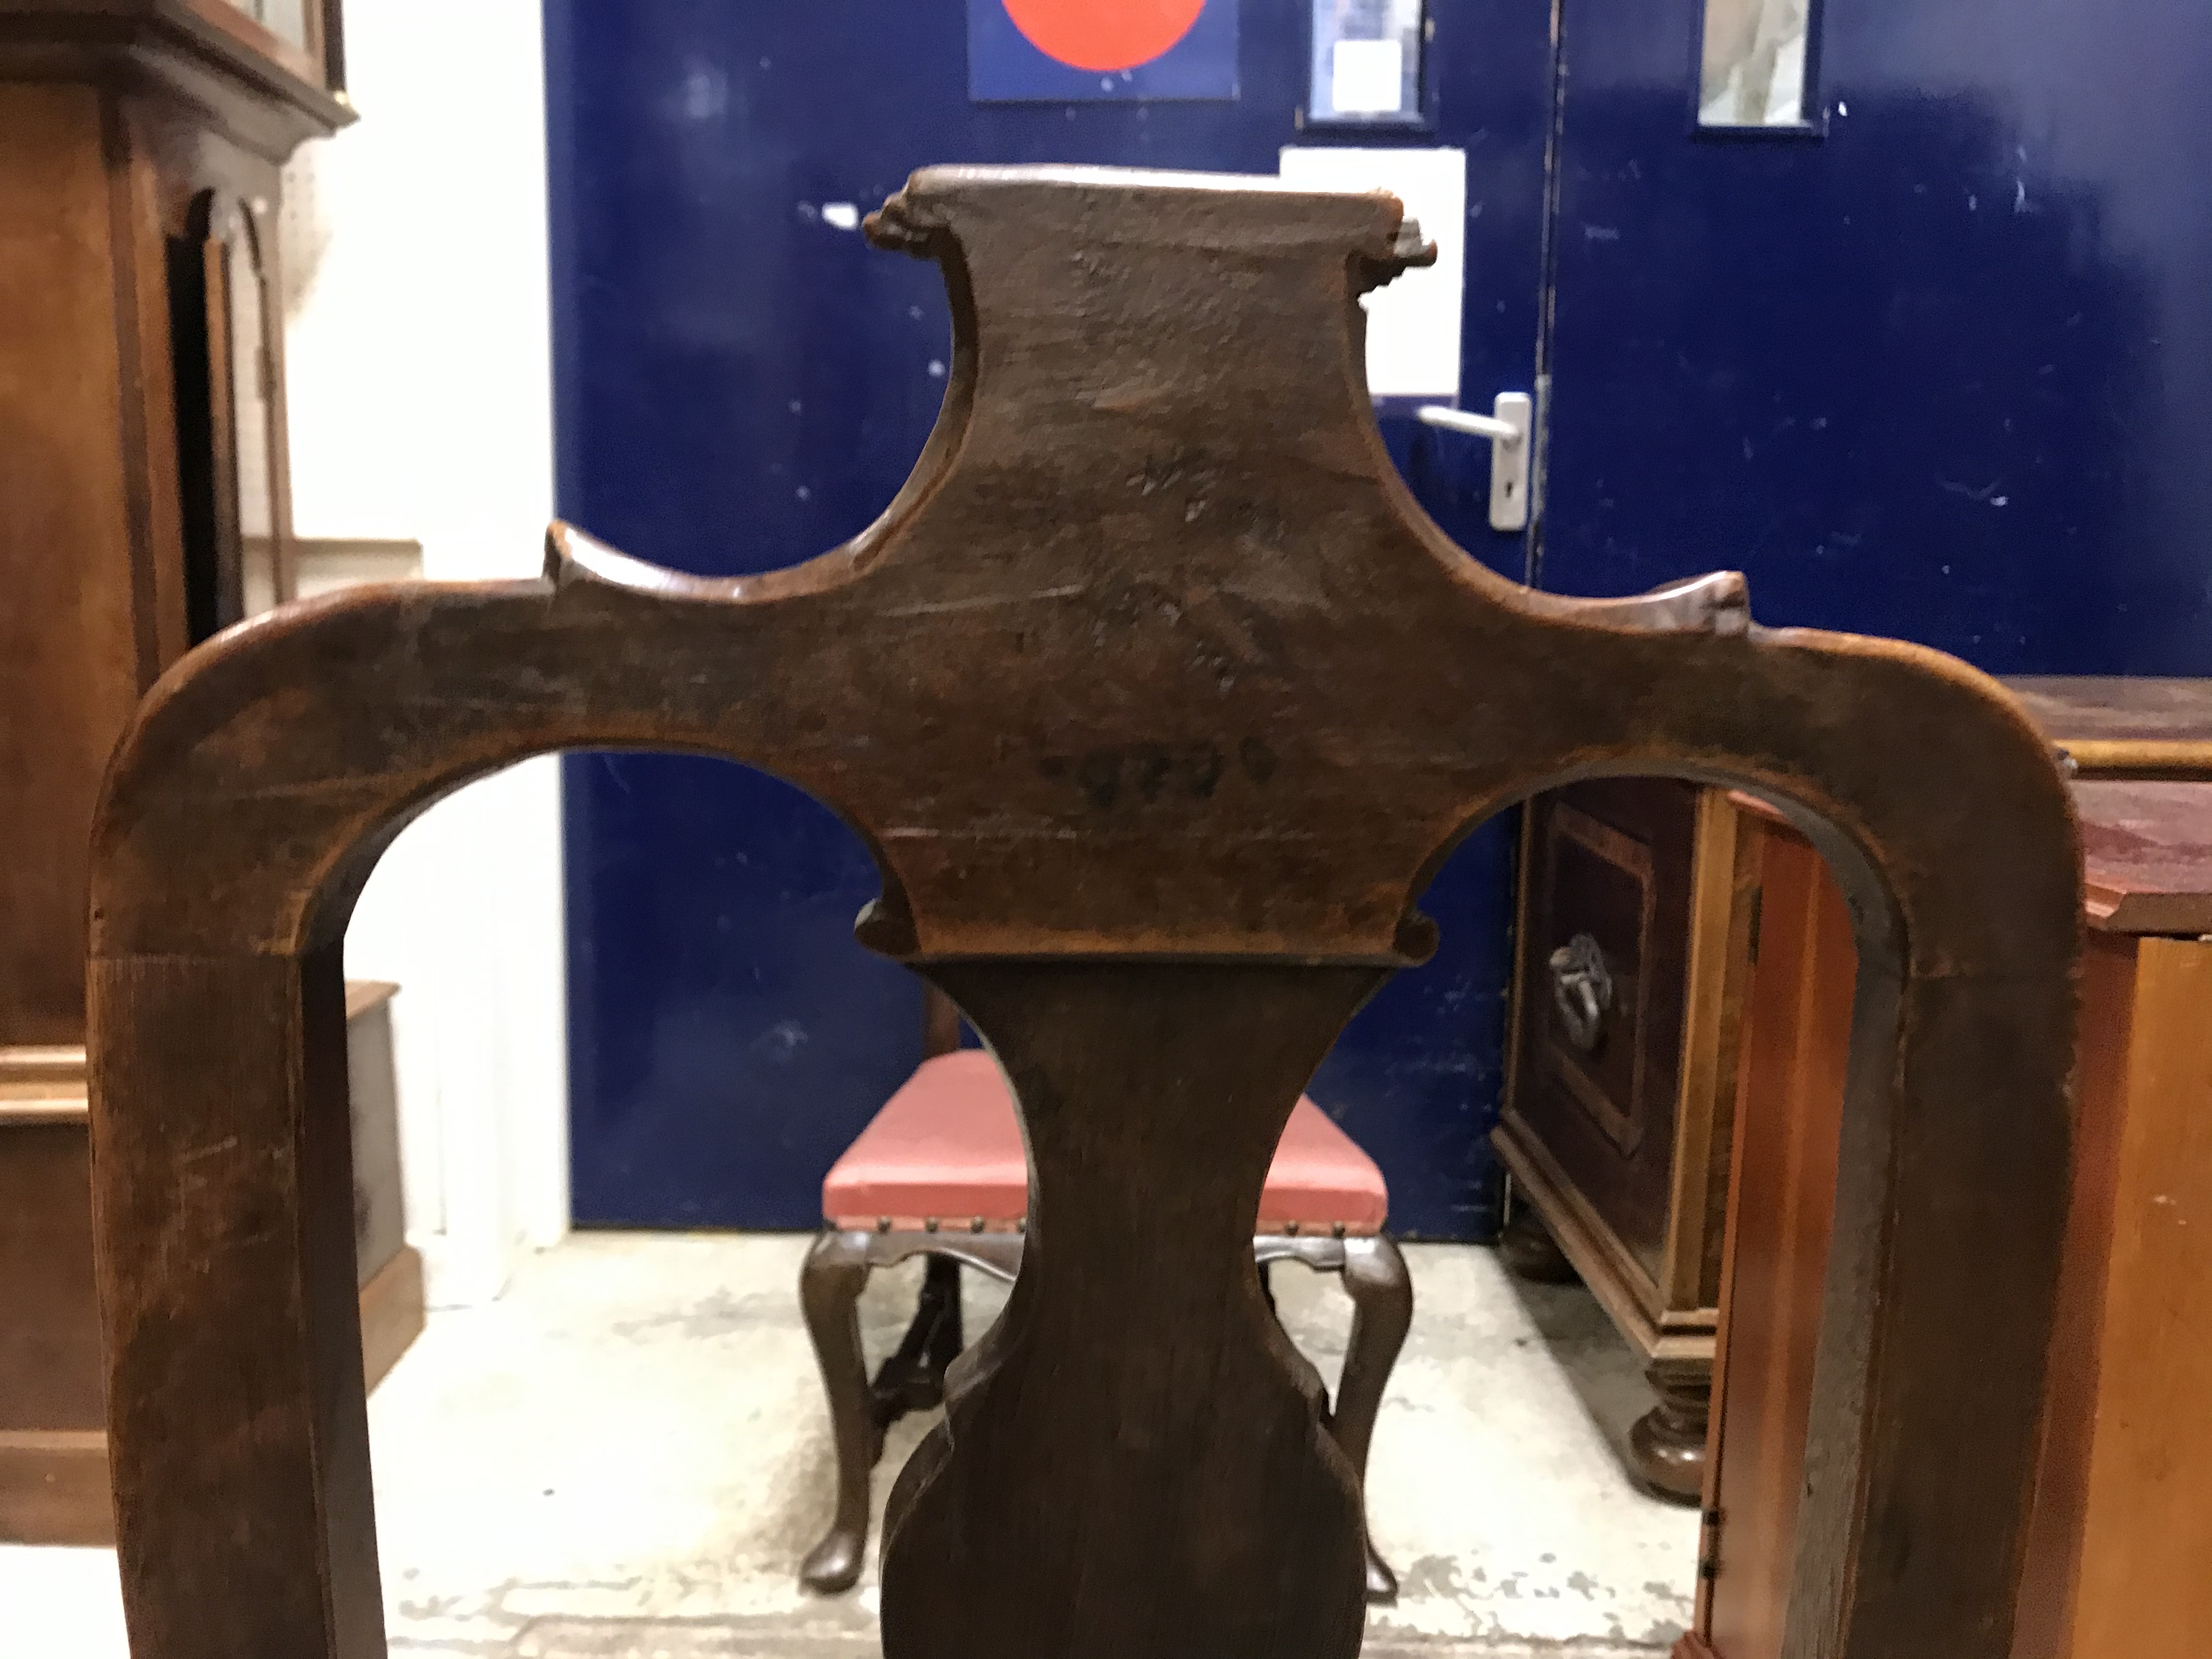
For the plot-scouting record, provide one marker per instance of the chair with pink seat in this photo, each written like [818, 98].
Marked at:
[941, 1172]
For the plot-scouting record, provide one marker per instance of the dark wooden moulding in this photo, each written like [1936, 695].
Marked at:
[1158, 700]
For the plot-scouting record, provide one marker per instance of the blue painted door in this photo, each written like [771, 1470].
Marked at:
[740, 383]
[1941, 368]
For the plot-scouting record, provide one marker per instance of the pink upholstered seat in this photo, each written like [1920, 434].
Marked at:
[945, 1148]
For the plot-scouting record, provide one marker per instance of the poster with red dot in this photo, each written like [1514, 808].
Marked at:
[1060, 51]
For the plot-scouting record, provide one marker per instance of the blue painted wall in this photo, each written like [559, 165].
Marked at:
[740, 383]
[1944, 373]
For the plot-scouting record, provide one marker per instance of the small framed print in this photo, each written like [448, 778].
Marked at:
[1756, 62]
[1366, 67]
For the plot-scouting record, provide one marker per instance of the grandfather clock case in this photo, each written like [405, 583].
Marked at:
[143, 505]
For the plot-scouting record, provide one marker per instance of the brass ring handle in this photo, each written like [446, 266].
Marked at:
[1582, 990]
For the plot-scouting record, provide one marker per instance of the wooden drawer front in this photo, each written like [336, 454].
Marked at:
[1611, 866]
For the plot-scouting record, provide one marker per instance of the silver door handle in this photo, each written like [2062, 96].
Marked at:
[1507, 426]
[1475, 426]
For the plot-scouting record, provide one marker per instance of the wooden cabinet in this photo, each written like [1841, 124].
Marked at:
[54, 1451]
[144, 504]
[1792, 1056]
[1640, 901]
[1621, 1079]
[2121, 1527]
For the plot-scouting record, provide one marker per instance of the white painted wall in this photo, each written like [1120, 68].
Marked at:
[421, 402]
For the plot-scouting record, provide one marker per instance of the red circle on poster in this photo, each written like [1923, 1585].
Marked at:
[1103, 34]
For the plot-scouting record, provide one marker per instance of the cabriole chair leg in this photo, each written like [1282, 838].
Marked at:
[830, 1284]
[1382, 1293]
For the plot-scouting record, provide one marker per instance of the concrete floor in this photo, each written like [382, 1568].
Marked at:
[625, 1457]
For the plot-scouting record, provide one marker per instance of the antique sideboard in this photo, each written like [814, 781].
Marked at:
[1640, 907]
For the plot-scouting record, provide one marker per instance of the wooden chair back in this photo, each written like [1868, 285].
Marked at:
[1158, 700]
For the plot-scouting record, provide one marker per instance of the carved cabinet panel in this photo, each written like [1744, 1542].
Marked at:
[1634, 928]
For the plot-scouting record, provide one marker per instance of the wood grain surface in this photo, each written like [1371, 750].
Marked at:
[2145, 1583]
[77, 644]
[1794, 1056]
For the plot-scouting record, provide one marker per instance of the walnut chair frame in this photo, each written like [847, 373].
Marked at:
[1158, 700]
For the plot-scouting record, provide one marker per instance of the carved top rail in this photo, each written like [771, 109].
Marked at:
[1158, 700]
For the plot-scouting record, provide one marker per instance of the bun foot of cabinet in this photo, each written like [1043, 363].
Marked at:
[1530, 1252]
[1667, 1446]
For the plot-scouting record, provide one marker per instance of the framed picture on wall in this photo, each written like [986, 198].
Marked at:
[1366, 62]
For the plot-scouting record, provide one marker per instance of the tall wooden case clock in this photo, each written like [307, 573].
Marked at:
[143, 504]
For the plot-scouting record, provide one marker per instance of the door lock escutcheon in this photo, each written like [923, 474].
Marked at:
[1513, 415]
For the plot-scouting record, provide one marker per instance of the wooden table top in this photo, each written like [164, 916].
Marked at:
[2147, 856]
[2146, 826]
[2124, 727]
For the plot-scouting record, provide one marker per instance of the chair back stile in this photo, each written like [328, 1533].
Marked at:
[940, 1023]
